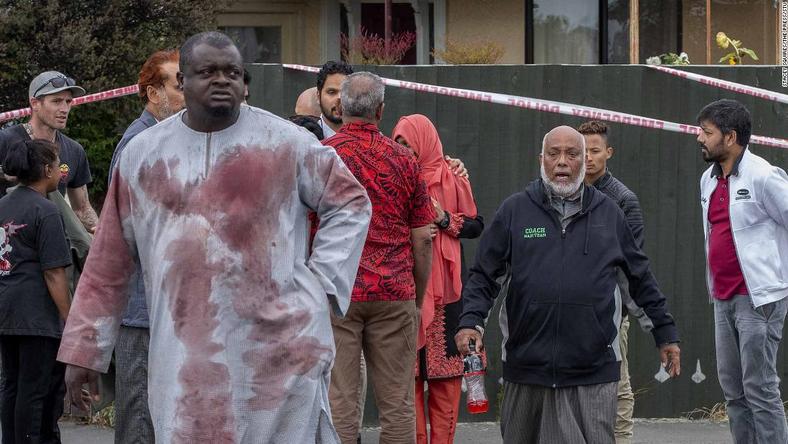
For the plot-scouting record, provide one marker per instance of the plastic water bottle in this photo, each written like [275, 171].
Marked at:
[474, 381]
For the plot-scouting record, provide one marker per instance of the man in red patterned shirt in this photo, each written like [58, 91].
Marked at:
[392, 275]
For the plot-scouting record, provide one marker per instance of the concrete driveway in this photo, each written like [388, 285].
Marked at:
[647, 431]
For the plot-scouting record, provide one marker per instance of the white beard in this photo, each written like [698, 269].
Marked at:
[564, 189]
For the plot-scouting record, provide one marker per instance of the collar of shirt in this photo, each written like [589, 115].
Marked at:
[566, 207]
[599, 183]
[716, 170]
[29, 129]
[359, 126]
[327, 130]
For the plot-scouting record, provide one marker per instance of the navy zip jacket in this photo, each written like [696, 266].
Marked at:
[560, 317]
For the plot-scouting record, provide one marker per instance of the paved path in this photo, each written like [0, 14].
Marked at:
[647, 431]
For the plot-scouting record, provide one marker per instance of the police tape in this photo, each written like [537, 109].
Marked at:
[568, 109]
[97, 97]
[483, 96]
[725, 84]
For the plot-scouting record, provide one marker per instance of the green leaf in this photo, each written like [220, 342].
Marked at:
[749, 52]
[727, 57]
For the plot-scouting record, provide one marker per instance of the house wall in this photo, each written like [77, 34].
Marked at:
[501, 21]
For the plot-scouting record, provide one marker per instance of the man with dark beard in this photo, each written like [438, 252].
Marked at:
[212, 204]
[562, 243]
[744, 203]
[329, 83]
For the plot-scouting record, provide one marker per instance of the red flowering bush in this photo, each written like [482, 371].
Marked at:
[370, 49]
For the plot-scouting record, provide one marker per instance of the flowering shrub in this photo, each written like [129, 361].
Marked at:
[734, 57]
[469, 53]
[669, 58]
[370, 49]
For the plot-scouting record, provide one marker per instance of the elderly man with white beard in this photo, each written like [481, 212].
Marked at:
[562, 243]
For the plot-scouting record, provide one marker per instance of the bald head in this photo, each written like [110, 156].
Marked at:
[562, 135]
[563, 166]
[307, 103]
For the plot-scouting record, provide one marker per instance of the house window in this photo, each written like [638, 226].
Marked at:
[590, 32]
[258, 44]
[370, 17]
[660, 28]
[565, 31]
[617, 34]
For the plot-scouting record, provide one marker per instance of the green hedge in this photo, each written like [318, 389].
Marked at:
[100, 43]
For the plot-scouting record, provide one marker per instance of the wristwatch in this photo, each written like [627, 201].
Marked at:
[444, 223]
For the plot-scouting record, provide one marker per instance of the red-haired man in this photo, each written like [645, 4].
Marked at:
[162, 97]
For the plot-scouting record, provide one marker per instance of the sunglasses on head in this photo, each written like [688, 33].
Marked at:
[57, 82]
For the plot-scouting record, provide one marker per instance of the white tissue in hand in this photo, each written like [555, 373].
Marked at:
[662, 375]
[698, 376]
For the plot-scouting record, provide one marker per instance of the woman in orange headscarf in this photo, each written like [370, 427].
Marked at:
[439, 363]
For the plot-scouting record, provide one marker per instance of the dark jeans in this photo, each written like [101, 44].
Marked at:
[31, 389]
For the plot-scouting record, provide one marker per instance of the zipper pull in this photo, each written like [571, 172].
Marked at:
[563, 233]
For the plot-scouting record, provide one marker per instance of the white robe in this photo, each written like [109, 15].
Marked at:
[241, 345]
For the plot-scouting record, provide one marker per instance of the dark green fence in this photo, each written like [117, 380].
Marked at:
[500, 145]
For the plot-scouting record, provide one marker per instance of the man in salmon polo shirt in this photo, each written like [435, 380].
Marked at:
[745, 215]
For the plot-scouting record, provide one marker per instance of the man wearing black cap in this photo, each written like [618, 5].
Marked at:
[50, 96]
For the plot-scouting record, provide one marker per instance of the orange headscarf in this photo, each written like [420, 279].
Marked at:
[454, 195]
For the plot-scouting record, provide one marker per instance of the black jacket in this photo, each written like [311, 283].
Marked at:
[559, 316]
[627, 201]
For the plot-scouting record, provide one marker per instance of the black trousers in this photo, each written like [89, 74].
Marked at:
[31, 389]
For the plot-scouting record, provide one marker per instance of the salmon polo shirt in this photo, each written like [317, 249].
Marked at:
[726, 273]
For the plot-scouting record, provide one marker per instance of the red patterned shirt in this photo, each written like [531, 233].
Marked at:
[400, 202]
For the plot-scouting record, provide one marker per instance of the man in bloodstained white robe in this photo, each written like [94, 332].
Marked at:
[213, 204]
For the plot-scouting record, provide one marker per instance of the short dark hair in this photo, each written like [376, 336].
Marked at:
[332, 67]
[247, 77]
[729, 115]
[26, 159]
[213, 38]
[593, 127]
[311, 123]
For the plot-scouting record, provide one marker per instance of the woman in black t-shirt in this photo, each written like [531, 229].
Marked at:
[34, 300]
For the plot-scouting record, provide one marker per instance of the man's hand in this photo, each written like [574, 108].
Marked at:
[78, 198]
[76, 377]
[457, 167]
[669, 355]
[421, 245]
[439, 213]
[463, 337]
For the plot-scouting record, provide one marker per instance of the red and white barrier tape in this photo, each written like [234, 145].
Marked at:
[97, 97]
[510, 100]
[568, 109]
[725, 84]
